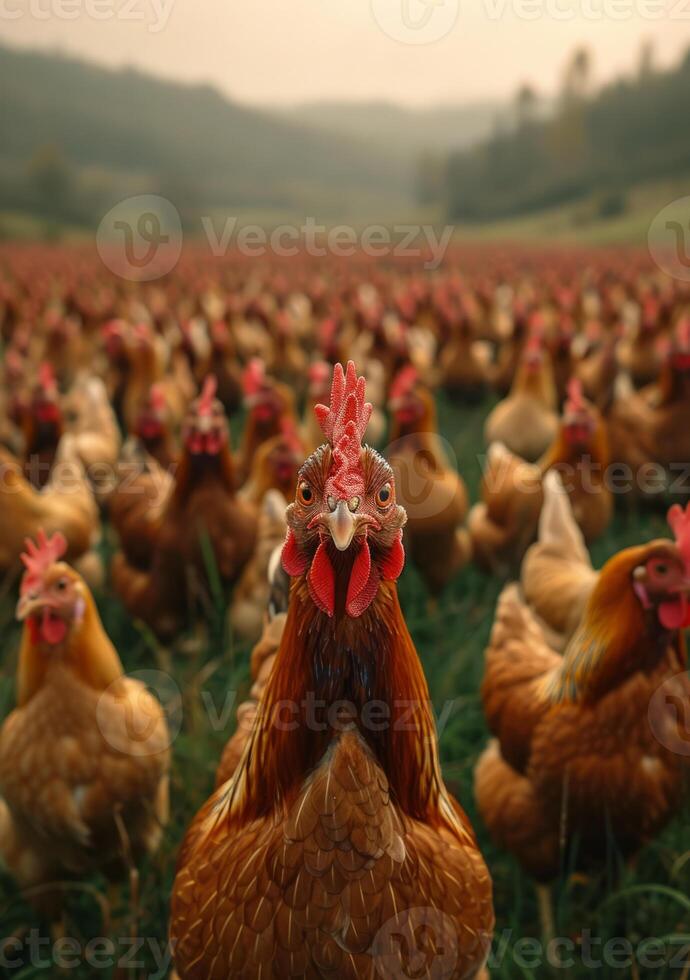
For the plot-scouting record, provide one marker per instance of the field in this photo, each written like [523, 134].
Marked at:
[201, 686]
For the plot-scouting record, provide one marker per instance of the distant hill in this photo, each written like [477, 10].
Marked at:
[437, 129]
[76, 137]
[594, 148]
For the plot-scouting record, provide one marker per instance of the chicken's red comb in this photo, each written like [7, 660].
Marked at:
[682, 337]
[38, 558]
[253, 376]
[575, 401]
[679, 522]
[113, 328]
[344, 424]
[204, 405]
[348, 414]
[46, 377]
[291, 436]
[157, 397]
[403, 382]
[319, 372]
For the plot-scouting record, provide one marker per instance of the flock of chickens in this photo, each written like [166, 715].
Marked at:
[330, 822]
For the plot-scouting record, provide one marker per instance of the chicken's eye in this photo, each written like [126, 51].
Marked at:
[661, 568]
[305, 494]
[61, 584]
[384, 496]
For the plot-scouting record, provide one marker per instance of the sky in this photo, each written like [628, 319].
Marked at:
[415, 52]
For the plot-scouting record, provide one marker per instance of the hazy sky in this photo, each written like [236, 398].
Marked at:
[284, 51]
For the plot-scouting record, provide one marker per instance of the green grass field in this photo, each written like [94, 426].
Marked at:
[648, 906]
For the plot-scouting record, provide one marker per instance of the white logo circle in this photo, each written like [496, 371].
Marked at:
[669, 714]
[416, 21]
[140, 239]
[417, 942]
[129, 715]
[668, 239]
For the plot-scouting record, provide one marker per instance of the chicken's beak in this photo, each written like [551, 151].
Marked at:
[342, 525]
[28, 605]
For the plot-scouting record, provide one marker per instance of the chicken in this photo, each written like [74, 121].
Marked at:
[42, 427]
[503, 524]
[223, 364]
[149, 361]
[274, 612]
[580, 453]
[598, 370]
[433, 494]
[649, 430]
[65, 504]
[93, 429]
[251, 593]
[463, 370]
[84, 757]
[201, 524]
[319, 377]
[137, 504]
[639, 353]
[526, 421]
[153, 428]
[590, 749]
[335, 839]
[270, 406]
[557, 575]
[275, 466]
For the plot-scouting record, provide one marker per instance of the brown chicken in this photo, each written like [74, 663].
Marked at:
[275, 466]
[319, 376]
[153, 428]
[65, 504]
[586, 750]
[433, 494]
[649, 429]
[504, 524]
[557, 577]
[526, 421]
[580, 453]
[336, 839]
[201, 522]
[270, 407]
[251, 594]
[84, 757]
[42, 428]
[275, 586]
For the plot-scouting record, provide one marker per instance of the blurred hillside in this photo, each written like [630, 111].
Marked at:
[75, 138]
[413, 132]
[596, 150]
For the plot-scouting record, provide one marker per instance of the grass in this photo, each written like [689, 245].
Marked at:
[648, 904]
